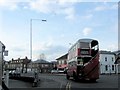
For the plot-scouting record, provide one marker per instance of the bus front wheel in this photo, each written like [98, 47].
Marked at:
[92, 80]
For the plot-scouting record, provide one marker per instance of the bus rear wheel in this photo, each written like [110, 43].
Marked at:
[75, 77]
[67, 76]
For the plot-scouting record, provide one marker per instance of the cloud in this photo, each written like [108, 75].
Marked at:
[12, 5]
[49, 48]
[16, 50]
[60, 7]
[106, 7]
[54, 7]
[55, 51]
[109, 46]
[44, 45]
[113, 47]
[41, 6]
[87, 16]
[70, 13]
[100, 8]
[86, 31]
[51, 52]
[62, 35]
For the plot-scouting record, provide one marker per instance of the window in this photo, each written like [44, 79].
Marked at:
[112, 67]
[105, 58]
[42, 65]
[106, 67]
[62, 62]
[65, 62]
[46, 65]
[84, 45]
[59, 62]
[112, 58]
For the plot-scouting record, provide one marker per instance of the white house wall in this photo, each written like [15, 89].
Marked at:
[109, 63]
[0, 62]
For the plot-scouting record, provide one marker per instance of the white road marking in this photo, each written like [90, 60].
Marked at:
[68, 86]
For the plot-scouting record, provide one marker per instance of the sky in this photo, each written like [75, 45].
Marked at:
[66, 22]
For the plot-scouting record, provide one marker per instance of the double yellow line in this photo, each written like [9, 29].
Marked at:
[68, 86]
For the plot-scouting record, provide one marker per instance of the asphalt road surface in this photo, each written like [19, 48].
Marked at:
[105, 81]
[59, 82]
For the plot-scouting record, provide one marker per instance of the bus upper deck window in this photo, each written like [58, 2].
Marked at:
[84, 45]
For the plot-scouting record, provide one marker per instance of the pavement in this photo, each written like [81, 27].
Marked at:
[43, 83]
[0, 87]
[19, 84]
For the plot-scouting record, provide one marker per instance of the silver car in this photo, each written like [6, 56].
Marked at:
[54, 71]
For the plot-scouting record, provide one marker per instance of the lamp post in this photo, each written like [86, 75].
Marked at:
[31, 20]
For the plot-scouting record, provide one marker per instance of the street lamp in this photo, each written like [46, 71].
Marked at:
[44, 20]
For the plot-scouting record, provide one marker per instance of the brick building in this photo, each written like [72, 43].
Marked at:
[62, 61]
[41, 66]
[20, 65]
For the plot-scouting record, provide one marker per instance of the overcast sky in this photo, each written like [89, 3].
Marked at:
[66, 23]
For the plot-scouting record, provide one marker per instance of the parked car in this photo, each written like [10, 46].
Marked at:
[61, 70]
[54, 71]
[14, 73]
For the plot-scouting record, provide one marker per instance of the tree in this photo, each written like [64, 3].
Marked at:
[42, 56]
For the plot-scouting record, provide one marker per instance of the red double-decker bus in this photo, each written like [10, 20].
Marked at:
[83, 60]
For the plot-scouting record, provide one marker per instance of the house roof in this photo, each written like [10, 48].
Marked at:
[106, 52]
[117, 61]
[117, 53]
[24, 60]
[41, 61]
[63, 57]
[3, 46]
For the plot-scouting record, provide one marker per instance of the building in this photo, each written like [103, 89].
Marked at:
[107, 62]
[62, 61]
[117, 61]
[54, 63]
[19, 65]
[41, 66]
[2, 49]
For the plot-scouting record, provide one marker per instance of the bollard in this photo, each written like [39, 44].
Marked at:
[35, 83]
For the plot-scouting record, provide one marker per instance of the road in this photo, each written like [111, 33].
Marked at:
[59, 81]
[105, 81]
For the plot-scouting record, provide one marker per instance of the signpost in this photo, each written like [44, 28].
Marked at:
[4, 76]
